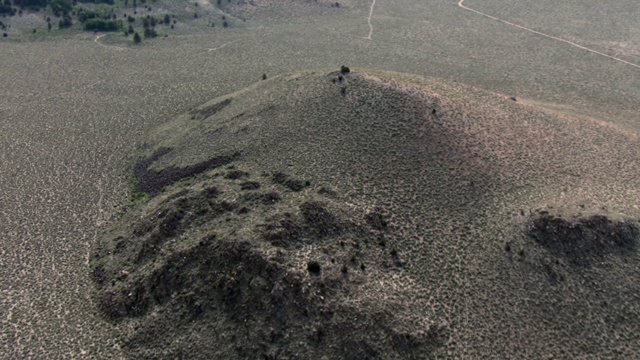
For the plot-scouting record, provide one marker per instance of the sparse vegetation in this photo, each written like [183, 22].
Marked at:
[447, 166]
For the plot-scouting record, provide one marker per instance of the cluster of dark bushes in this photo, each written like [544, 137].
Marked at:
[101, 19]
[102, 25]
[59, 7]
[149, 24]
[108, 2]
[6, 8]
[99, 13]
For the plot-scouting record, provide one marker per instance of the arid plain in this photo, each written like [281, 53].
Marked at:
[77, 110]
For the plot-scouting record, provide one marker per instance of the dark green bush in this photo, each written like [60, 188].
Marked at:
[6, 9]
[102, 25]
[99, 13]
[150, 33]
[313, 267]
[65, 22]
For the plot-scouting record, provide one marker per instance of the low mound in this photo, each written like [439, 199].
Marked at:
[266, 263]
[371, 214]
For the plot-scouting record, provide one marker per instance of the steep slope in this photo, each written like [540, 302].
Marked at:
[370, 214]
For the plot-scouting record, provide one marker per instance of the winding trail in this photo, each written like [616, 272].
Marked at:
[223, 45]
[369, 20]
[107, 46]
[460, 4]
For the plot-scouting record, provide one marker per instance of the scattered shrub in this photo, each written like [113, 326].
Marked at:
[313, 267]
[65, 22]
[271, 197]
[250, 185]
[376, 220]
[236, 174]
[150, 33]
[288, 181]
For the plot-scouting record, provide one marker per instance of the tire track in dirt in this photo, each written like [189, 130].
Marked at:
[369, 20]
[107, 46]
[460, 4]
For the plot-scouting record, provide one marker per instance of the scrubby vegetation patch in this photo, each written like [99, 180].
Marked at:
[292, 183]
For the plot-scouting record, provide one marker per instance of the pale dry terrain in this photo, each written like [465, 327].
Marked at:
[73, 112]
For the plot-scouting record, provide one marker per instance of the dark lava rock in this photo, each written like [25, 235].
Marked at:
[152, 182]
[289, 182]
[583, 240]
[321, 220]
